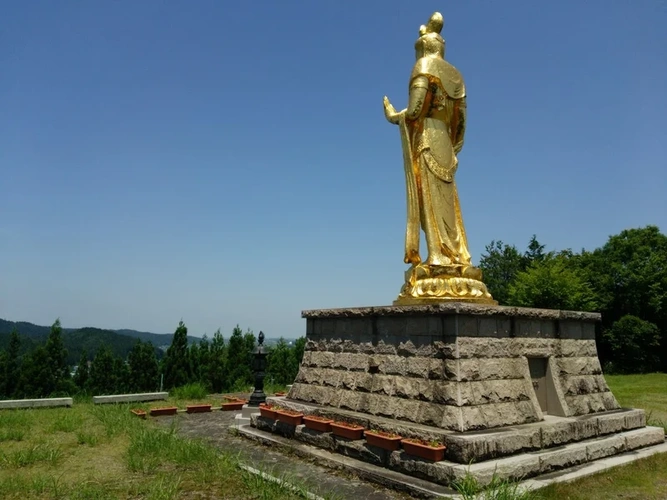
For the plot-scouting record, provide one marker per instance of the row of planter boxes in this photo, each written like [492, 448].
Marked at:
[391, 442]
[231, 405]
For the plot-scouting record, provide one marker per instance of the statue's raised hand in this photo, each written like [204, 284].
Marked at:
[389, 112]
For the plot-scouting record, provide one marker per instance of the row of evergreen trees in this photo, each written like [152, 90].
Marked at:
[217, 364]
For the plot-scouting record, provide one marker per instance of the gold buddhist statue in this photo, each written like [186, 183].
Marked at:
[432, 129]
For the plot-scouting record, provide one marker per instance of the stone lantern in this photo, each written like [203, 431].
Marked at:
[259, 367]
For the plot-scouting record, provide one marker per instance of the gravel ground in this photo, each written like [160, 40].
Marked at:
[214, 428]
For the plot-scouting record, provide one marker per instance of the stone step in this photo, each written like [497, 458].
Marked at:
[522, 465]
[414, 487]
[463, 447]
[534, 463]
[420, 479]
[549, 433]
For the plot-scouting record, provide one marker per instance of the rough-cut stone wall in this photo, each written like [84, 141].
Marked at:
[453, 366]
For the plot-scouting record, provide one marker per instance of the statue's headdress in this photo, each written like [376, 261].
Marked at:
[429, 33]
[434, 25]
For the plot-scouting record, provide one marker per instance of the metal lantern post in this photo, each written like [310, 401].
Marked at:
[259, 367]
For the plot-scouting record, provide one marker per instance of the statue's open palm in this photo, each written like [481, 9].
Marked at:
[390, 112]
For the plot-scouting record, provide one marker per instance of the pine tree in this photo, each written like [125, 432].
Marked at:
[121, 376]
[535, 252]
[250, 341]
[36, 375]
[57, 353]
[3, 369]
[102, 378]
[297, 356]
[143, 367]
[194, 363]
[279, 363]
[82, 373]
[202, 369]
[238, 359]
[217, 366]
[12, 368]
[175, 365]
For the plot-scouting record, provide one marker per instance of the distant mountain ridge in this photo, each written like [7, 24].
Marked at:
[91, 339]
[88, 338]
[37, 331]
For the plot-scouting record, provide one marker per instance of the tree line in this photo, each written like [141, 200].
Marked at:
[625, 280]
[219, 365]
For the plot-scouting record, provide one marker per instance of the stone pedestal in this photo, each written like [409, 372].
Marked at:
[517, 392]
[453, 366]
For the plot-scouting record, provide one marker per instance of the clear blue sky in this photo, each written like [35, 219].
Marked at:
[229, 162]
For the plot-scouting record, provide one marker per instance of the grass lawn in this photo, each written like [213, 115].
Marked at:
[642, 480]
[100, 452]
[642, 391]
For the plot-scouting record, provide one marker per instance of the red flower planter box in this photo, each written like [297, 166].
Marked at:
[424, 450]
[167, 410]
[289, 417]
[316, 423]
[197, 408]
[139, 413]
[233, 406]
[267, 411]
[347, 431]
[383, 440]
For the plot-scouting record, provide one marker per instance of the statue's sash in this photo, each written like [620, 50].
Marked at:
[412, 227]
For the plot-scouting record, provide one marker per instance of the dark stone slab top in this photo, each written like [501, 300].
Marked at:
[451, 308]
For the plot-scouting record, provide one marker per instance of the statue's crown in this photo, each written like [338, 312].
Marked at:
[434, 25]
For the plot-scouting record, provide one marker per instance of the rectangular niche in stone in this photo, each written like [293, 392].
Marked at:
[538, 375]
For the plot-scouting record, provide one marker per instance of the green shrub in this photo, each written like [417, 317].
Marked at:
[190, 391]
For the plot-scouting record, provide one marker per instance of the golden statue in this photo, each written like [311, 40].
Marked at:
[432, 129]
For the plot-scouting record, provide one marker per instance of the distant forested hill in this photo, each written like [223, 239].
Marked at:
[88, 338]
[157, 339]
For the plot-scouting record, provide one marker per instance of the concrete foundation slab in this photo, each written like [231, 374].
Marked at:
[568, 459]
[35, 403]
[415, 487]
[130, 398]
[572, 474]
[516, 466]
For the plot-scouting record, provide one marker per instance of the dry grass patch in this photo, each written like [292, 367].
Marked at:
[103, 451]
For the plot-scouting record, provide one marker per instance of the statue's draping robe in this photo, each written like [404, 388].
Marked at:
[430, 144]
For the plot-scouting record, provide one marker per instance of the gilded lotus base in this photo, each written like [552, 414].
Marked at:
[428, 284]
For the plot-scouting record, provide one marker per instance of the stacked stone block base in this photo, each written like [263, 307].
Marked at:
[455, 366]
[515, 391]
